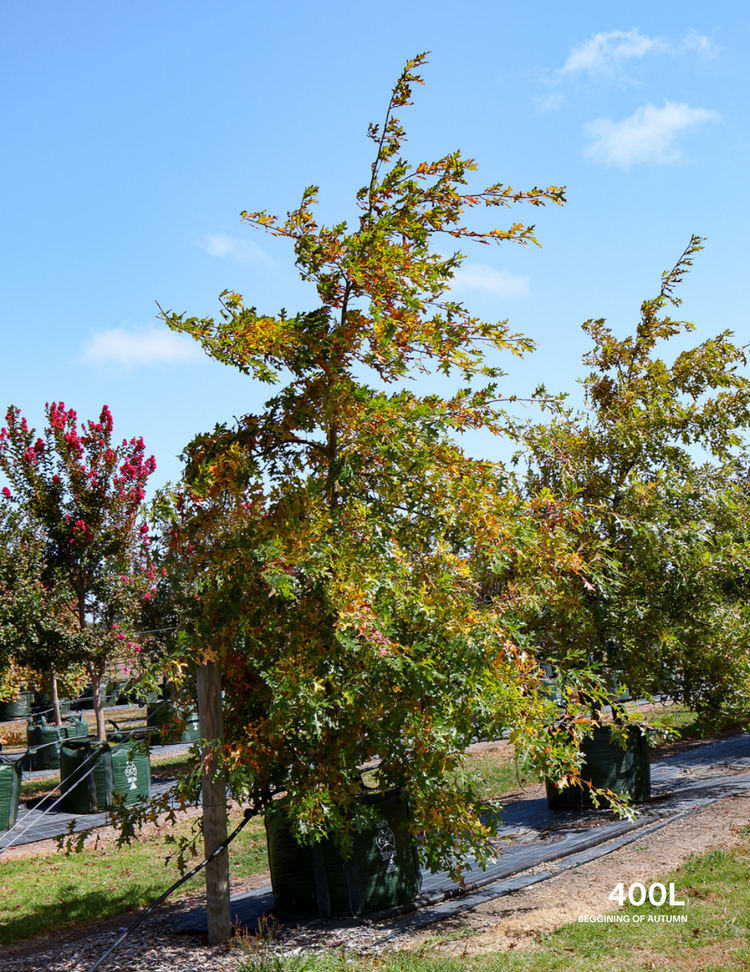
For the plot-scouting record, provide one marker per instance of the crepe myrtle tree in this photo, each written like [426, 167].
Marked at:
[333, 538]
[33, 627]
[82, 496]
[653, 465]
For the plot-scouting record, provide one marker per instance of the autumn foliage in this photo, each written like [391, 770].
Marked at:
[340, 540]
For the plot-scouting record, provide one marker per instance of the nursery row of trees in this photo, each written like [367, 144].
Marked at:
[368, 589]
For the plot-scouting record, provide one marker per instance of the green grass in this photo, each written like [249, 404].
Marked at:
[170, 764]
[690, 724]
[496, 774]
[39, 894]
[715, 937]
[31, 789]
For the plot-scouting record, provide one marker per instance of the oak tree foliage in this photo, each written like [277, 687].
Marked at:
[338, 540]
[655, 465]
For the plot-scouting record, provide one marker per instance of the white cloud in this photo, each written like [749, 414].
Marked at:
[502, 283]
[140, 347]
[697, 42]
[549, 102]
[600, 54]
[647, 136]
[605, 53]
[223, 245]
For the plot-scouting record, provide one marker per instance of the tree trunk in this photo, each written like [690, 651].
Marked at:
[56, 714]
[96, 692]
[214, 794]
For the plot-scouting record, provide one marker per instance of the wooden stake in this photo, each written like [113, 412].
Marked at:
[214, 807]
[56, 714]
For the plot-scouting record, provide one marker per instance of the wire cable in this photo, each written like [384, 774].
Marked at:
[249, 814]
[45, 812]
[93, 756]
[17, 837]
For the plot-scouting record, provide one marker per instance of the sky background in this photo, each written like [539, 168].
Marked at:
[135, 133]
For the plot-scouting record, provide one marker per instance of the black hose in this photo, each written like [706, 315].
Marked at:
[249, 814]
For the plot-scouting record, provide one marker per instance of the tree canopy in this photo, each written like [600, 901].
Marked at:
[655, 465]
[338, 540]
[80, 497]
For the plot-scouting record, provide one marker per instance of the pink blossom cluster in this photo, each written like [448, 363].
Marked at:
[86, 491]
[81, 532]
[121, 637]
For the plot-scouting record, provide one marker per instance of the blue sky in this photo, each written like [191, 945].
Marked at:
[134, 134]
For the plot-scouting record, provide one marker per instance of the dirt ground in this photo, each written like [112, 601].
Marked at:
[518, 920]
[515, 921]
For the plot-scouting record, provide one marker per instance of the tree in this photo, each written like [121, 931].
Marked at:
[82, 498]
[652, 466]
[337, 539]
[29, 620]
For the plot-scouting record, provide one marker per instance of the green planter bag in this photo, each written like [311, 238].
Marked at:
[17, 708]
[620, 691]
[11, 769]
[314, 881]
[115, 771]
[164, 717]
[42, 736]
[86, 699]
[627, 772]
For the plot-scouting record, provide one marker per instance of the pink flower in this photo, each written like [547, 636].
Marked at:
[6, 492]
[148, 596]
[383, 652]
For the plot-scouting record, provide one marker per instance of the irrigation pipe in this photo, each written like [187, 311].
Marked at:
[249, 814]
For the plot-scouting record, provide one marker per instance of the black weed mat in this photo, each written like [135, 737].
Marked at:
[535, 836]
